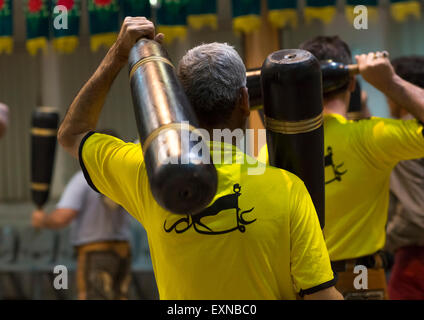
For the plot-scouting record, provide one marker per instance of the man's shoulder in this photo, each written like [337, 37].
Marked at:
[360, 130]
[271, 170]
[279, 177]
[345, 124]
[97, 137]
[387, 128]
[373, 121]
[78, 180]
[336, 119]
[104, 144]
[274, 172]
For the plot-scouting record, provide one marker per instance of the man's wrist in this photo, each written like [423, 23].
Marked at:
[44, 221]
[391, 89]
[116, 58]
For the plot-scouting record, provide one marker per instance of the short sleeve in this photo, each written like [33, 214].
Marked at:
[310, 261]
[75, 193]
[389, 141]
[115, 169]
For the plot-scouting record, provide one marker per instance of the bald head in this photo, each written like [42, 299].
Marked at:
[4, 119]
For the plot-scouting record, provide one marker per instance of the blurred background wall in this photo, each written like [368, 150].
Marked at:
[54, 79]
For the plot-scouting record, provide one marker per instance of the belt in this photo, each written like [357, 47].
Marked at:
[120, 247]
[377, 260]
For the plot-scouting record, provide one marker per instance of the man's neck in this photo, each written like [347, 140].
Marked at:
[218, 137]
[337, 106]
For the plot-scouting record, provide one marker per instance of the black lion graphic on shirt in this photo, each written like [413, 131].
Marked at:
[226, 202]
[336, 168]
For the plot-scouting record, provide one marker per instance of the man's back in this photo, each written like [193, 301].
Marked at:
[359, 157]
[259, 238]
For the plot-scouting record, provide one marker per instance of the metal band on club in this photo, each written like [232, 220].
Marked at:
[40, 186]
[147, 60]
[294, 127]
[43, 132]
[47, 109]
[179, 127]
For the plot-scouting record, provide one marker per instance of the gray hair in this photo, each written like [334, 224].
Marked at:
[212, 76]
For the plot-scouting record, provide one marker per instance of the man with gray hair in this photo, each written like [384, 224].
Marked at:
[260, 237]
[214, 91]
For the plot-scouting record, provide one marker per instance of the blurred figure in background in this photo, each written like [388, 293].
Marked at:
[405, 231]
[4, 119]
[100, 233]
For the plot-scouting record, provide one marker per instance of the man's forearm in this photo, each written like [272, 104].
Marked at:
[85, 110]
[51, 223]
[326, 294]
[59, 218]
[407, 95]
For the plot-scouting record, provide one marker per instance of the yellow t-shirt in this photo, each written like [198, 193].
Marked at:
[359, 157]
[260, 239]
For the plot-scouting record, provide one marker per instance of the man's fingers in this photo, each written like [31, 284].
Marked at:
[142, 30]
[134, 19]
[360, 59]
[141, 24]
[382, 55]
[370, 57]
[132, 30]
[138, 27]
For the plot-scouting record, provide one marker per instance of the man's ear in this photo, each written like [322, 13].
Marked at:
[243, 102]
